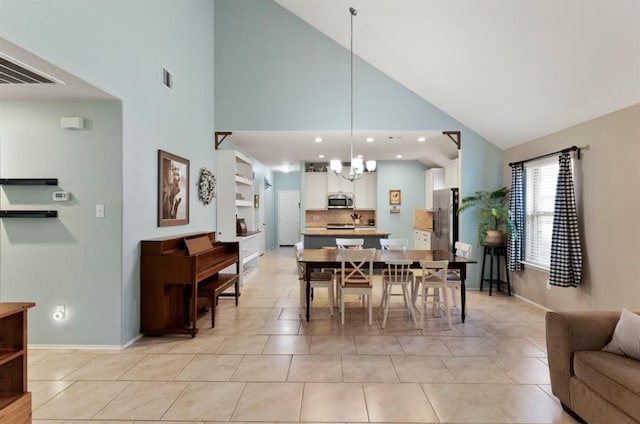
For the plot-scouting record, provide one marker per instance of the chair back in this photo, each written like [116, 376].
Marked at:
[463, 249]
[394, 244]
[298, 248]
[357, 266]
[434, 271]
[345, 243]
[398, 270]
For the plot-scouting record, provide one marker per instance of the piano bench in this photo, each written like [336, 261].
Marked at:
[213, 287]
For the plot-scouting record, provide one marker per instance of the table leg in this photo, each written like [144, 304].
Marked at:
[484, 258]
[307, 277]
[463, 292]
[491, 271]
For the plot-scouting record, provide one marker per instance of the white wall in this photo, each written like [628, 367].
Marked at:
[73, 260]
[608, 210]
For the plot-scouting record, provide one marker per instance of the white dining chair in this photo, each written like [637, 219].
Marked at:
[398, 275]
[454, 280]
[356, 277]
[349, 243]
[434, 279]
[394, 244]
[321, 279]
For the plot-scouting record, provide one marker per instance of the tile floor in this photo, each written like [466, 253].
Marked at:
[264, 363]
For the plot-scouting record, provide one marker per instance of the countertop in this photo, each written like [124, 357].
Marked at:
[337, 233]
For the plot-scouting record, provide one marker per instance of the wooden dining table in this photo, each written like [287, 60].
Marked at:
[330, 258]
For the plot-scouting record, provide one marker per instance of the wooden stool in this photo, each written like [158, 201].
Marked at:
[498, 251]
[212, 288]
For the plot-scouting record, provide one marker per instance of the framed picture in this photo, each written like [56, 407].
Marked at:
[394, 197]
[173, 190]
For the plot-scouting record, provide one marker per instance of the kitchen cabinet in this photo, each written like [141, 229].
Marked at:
[421, 240]
[337, 184]
[451, 174]
[433, 180]
[234, 192]
[15, 400]
[364, 192]
[316, 190]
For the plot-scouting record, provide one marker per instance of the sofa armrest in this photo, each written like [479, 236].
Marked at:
[569, 332]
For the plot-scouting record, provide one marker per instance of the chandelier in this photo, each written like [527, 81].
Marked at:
[357, 163]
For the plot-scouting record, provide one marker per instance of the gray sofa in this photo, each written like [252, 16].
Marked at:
[596, 386]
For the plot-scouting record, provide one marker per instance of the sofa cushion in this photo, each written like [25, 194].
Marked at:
[626, 336]
[616, 378]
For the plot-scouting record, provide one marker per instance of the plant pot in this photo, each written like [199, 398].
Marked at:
[495, 238]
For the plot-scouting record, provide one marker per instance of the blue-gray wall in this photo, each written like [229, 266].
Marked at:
[275, 72]
[120, 47]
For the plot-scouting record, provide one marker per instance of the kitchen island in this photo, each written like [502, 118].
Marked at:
[316, 238]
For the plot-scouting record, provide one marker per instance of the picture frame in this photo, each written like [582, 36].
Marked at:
[173, 189]
[395, 197]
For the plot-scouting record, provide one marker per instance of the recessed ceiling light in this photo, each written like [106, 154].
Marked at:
[318, 140]
[369, 139]
[321, 156]
[359, 156]
[422, 139]
[398, 156]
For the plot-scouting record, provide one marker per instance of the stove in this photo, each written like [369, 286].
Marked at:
[340, 226]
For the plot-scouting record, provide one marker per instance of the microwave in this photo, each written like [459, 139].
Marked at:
[340, 201]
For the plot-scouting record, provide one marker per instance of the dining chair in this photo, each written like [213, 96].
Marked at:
[356, 277]
[321, 279]
[454, 280]
[394, 244]
[398, 274]
[434, 278]
[349, 243]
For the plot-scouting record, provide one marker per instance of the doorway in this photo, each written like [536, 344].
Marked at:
[288, 217]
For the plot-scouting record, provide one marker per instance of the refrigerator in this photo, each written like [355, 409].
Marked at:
[445, 219]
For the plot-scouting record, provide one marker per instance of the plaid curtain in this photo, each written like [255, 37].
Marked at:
[515, 245]
[566, 257]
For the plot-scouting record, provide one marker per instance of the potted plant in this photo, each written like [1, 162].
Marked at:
[495, 216]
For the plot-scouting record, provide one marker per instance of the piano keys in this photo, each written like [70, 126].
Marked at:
[170, 270]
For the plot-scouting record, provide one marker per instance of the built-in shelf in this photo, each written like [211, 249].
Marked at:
[28, 214]
[29, 181]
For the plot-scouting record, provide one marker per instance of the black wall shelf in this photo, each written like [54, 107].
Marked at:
[28, 214]
[29, 181]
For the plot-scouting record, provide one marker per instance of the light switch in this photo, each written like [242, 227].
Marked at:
[99, 211]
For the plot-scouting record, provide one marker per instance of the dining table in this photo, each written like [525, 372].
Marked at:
[330, 258]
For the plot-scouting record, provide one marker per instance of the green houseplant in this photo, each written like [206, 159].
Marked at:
[495, 216]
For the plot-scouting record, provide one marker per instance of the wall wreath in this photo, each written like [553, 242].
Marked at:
[206, 186]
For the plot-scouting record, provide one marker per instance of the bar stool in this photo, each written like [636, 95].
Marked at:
[499, 251]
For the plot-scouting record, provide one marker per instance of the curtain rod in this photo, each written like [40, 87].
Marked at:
[568, 149]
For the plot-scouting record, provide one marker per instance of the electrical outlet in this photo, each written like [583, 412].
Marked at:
[99, 211]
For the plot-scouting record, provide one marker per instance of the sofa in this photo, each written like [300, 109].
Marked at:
[592, 385]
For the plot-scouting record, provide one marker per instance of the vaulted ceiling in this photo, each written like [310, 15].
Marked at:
[511, 70]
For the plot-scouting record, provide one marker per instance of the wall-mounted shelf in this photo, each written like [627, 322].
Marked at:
[28, 214]
[29, 181]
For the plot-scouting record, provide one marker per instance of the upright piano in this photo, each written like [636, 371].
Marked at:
[170, 270]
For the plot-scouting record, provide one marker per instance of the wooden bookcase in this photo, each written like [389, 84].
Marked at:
[15, 400]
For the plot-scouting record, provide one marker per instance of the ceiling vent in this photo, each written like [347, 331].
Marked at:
[14, 72]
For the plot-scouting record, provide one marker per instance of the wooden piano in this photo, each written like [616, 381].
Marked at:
[171, 269]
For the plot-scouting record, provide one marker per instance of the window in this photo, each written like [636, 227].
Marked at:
[540, 191]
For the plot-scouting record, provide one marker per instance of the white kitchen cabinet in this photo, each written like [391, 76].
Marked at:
[316, 190]
[234, 187]
[421, 240]
[337, 184]
[364, 192]
[451, 174]
[433, 180]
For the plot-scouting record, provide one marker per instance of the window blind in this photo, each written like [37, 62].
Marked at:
[540, 189]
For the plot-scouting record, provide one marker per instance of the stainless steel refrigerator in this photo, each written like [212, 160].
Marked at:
[445, 219]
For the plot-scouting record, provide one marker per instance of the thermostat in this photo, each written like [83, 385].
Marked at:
[61, 196]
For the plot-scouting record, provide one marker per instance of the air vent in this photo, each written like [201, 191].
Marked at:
[167, 78]
[14, 72]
